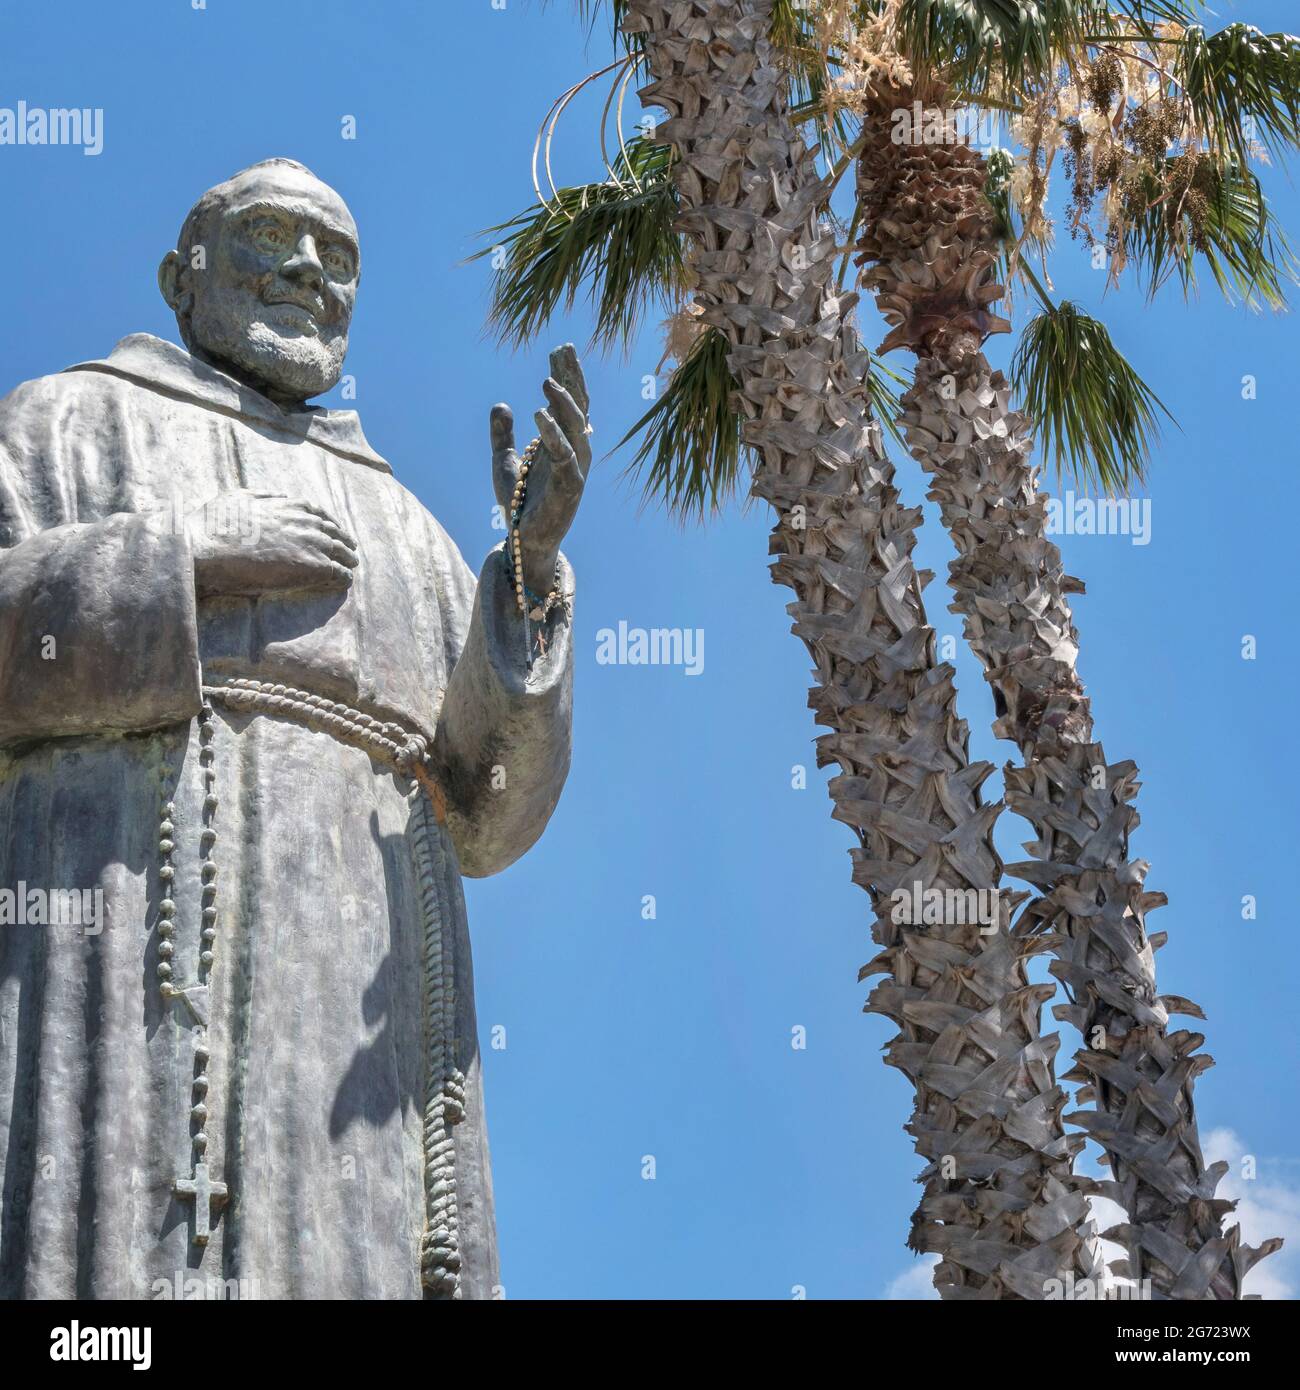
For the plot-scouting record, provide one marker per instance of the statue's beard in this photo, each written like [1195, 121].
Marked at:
[295, 366]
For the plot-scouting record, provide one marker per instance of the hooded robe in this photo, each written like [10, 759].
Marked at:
[330, 877]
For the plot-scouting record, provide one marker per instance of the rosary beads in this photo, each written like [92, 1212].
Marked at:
[198, 1186]
[530, 604]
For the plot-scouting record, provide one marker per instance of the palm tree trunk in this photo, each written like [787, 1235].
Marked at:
[932, 251]
[1001, 1206]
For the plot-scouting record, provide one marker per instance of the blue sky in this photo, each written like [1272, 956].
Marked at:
[774, 1167]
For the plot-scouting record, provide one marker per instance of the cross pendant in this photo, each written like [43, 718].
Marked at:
[207, 1196]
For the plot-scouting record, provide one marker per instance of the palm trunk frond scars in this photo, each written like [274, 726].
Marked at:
[930, 255]
[1000, 1206]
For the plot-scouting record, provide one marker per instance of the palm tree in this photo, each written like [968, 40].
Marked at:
[1151, 117]
[722, 210]
[1001, 1206]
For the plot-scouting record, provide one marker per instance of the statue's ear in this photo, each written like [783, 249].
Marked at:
[169, 280]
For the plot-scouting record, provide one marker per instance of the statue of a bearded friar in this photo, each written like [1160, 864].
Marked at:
[254, 703]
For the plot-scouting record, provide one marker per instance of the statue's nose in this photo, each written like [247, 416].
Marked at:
[304, 265]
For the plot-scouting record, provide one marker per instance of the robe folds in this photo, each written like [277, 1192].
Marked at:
[318, 1010]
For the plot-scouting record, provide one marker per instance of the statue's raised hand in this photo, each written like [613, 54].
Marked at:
[259, 542]
[559, 470]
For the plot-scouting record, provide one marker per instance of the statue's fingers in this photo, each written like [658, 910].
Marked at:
[321, 521]
[505, 462]
[339, 553]
[567, 370]
[313, 538]
[501, 427]
[313, 510]
[505, 474]
[332, 529]
[336, 533]
[539, 485]
[559, 448]
[571, 420]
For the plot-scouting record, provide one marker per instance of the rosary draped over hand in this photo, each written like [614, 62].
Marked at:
[530, 604]
[540, 490]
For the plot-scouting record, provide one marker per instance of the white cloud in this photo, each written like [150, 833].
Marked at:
[917, 1281]
[1267, 1205]
[1106, 1214]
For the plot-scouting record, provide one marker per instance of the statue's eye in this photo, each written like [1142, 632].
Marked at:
[337, 261]
[270, 237]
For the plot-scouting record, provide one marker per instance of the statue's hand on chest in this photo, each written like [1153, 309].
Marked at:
[255, 543]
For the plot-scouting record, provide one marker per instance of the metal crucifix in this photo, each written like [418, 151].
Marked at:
[208, 1198]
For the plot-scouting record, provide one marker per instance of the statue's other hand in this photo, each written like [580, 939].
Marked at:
[254, 543]
[559, 470]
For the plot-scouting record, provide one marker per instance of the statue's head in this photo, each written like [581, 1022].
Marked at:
[264, 277]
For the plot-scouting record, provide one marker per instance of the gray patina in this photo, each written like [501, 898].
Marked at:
[232, 649]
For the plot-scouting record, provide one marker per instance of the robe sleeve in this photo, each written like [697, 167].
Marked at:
[98, 631]
[502, 746]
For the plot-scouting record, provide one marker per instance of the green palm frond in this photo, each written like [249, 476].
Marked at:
[1093, 412]
[1242, 86]
[976, 45]
[1142, 15]
[615, 238]
[691, 451]
[1223, 221]
[886, 404]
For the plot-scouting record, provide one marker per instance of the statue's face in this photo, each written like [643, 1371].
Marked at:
[275, 301]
